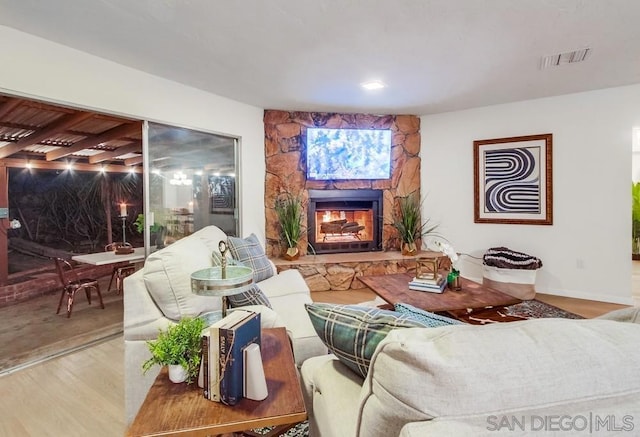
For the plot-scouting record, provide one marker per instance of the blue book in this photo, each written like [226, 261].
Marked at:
[211, 354]
[233, 340]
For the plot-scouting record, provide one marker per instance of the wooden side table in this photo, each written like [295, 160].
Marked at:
[181, 409]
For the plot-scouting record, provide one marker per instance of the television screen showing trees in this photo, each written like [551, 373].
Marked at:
[348, 154]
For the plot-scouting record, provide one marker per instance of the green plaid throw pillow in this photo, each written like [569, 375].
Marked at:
[352, 332]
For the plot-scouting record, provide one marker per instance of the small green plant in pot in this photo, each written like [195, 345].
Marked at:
[407, 221]
[178, 345]
[156, 231]
[289, 211]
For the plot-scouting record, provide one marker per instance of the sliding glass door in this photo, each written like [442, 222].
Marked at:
[190, 183]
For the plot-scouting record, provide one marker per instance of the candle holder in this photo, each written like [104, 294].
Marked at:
[427, 267]
[124, 223]
[124, 248]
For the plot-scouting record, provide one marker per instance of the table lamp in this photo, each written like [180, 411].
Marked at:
[221, 281]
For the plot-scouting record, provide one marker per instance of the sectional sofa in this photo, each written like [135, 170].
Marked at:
[160, 294]
[535, 377]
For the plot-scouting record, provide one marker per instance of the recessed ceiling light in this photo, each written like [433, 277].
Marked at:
[372, 85]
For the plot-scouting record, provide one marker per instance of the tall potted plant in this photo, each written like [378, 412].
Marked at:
[289, 211]
[635, 220]
[407, 221]
[180, 348]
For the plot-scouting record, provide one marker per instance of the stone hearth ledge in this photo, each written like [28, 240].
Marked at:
[340, 271]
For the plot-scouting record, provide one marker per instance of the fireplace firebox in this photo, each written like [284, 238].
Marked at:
[345, 220]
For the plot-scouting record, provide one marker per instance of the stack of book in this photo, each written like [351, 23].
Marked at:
[432, 285]
[223, 355]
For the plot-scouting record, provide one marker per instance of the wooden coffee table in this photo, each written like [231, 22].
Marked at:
[394, 289]
[181, 409]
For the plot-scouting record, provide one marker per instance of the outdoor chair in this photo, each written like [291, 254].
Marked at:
[119, 271]
[71, 283]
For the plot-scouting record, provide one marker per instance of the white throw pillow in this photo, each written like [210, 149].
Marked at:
[167, 276]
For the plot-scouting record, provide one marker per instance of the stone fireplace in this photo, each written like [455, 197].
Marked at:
[345, 220]
[285, 139]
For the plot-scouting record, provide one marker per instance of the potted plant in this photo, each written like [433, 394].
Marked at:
[180, 348]
[407, 221]
[289, 211]
[156, 231]
[635, 220]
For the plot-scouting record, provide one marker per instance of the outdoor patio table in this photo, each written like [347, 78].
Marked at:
[104, 258]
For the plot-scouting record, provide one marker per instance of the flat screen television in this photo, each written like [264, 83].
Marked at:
[348, 154]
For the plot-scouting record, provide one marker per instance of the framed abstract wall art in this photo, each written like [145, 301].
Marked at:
[513, 180]
[222, 194]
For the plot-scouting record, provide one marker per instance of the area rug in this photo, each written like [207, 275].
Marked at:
[300, 430]
[33, 332]
[535, 309]
[528, 309]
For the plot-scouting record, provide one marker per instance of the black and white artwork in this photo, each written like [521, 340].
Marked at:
[513, 180]
[222, 193]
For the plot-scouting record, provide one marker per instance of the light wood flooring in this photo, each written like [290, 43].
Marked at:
[82, 393]
[635, 282]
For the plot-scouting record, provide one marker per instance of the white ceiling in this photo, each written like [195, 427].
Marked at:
[434, 55]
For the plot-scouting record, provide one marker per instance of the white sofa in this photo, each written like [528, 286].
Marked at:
[160, 294]
[535, 377]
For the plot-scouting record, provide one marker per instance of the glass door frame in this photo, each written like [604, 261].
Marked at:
[237, 215]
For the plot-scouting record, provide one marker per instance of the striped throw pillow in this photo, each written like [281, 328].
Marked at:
[429, 319]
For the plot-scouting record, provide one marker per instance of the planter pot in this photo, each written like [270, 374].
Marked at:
[159, 238]
[291, 254]
[177, 373]
[409, 249]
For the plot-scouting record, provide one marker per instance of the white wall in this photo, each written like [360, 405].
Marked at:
[40, 69]
[587, 251]
[635, 157]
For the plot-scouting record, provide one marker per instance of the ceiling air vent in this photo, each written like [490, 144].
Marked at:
[564, 58]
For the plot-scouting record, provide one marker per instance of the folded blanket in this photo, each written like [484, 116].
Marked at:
[505, 258]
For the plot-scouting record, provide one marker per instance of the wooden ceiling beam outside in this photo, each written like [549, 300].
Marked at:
[9, 106]
[135, 160]
[59, 125]
[136, 146]
[109, 135]
[45, 165]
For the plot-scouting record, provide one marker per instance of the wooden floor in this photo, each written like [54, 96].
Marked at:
[635, 282]
[82, 394]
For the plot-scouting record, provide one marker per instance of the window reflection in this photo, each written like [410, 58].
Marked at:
[192, 182]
